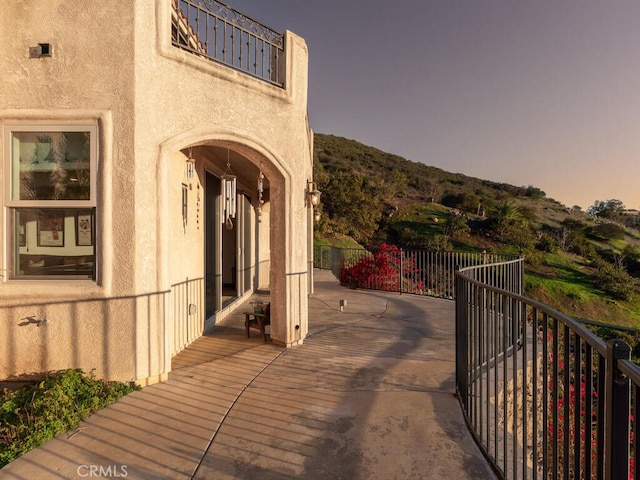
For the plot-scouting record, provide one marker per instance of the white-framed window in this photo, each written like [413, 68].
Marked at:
[50, 196]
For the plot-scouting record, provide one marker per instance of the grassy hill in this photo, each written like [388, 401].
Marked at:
[583, 265]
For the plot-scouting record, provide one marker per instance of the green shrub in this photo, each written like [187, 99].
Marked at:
[36, 413]
[607, 231]
[613, 280]
[547, 243]
[456, 225]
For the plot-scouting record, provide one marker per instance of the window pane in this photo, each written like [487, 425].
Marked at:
[54, 242]
[50, 165]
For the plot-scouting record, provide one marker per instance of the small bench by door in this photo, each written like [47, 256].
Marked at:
[258, 320]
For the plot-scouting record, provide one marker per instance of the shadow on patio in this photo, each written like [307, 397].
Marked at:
[370, 395]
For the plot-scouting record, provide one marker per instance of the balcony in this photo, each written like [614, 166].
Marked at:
[220, 33]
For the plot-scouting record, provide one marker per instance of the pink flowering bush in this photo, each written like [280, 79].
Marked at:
[579, 435]
[387, 269]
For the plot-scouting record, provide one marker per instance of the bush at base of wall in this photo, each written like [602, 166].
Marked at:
[35, 413]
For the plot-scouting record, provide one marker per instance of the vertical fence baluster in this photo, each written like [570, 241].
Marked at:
[473, 343]
[535, 389]
[496, 348]
[488, 330]
[566, 418]
[577, 444]
[545, 395]
[514, 336]
[618, 410]
[505, 377]
[635, 425]
[401, 277]
[522, 314]
[602, 369]
[554, 395]
[588, 408]
[482, 335]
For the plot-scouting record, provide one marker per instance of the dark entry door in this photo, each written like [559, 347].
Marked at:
[212, 283]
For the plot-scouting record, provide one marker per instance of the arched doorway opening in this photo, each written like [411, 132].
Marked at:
[234, 248]
[267, 249]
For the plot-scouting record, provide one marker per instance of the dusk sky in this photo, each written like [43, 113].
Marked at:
[532, 92]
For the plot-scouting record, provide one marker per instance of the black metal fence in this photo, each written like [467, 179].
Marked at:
[394, 269]
[543, 396]
[220, 33]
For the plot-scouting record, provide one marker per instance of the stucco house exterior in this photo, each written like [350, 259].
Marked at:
[121, 241]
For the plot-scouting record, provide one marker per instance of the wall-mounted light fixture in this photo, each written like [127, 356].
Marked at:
[313, 194]
[229, 182]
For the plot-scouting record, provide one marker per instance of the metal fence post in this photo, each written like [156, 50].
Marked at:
[618, 405]
[401, 269]
[462, 341]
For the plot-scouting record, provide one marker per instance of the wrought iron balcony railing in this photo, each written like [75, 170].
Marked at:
[421, 272]
[544, 397]
[216, 31]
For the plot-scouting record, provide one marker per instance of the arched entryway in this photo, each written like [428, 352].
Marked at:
[267, 247]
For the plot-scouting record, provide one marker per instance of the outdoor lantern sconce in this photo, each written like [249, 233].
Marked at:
[229, 183]
[313, 193]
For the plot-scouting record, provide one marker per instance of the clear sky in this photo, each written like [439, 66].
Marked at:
[527, 92]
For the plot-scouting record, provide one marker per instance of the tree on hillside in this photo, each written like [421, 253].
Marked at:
[353, 204]
[456, 225]
[609, 209]
[534, 192]
[569, 234]
[607, 231]
[432, 190]
[466, 201]
[563, 237]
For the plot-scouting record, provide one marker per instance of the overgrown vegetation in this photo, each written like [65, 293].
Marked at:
[586, 265]
[36, 413]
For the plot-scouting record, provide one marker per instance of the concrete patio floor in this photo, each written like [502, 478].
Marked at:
[370, 395]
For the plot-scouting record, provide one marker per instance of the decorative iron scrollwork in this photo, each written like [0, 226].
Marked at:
[214, 30]
[240, 20]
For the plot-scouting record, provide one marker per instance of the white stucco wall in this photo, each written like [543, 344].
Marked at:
[113, 63]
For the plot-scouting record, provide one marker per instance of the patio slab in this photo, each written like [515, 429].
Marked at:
[369, 395]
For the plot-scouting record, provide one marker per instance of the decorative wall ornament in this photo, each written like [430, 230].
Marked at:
[229, 191]
[260, 190]
[191, 163]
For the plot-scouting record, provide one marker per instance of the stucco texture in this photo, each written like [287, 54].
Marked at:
[113, 65]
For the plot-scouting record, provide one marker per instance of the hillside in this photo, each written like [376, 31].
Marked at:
[584, 265]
